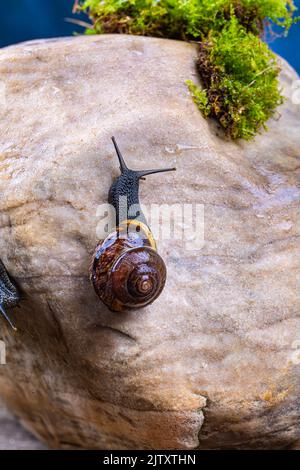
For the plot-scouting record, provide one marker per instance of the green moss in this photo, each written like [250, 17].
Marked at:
[183, 19]
[240, 76]
[238, 71]
[200, 98]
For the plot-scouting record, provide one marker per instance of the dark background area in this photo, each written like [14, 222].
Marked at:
[22, 20]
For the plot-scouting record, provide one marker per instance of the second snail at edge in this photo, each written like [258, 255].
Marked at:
[9, 294]
[126, 270]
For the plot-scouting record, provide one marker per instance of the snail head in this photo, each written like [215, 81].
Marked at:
[126, 187]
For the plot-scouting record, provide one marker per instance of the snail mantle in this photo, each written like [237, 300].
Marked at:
[212, 363]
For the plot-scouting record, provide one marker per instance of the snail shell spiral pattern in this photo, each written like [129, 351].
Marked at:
[128, 272]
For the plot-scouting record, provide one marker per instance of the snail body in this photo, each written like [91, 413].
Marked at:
[126, 271]
[9, 295]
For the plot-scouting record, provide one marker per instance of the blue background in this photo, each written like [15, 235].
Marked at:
[21, 20]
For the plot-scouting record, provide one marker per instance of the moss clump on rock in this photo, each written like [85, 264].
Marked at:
[238, 71]
[240, 78]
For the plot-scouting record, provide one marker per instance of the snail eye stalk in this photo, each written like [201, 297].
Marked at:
[139, 174]
[123, 166]
[142, 174]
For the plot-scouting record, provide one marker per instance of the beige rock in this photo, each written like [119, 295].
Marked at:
[213, 363]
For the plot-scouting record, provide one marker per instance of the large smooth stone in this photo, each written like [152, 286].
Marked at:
[213, 363]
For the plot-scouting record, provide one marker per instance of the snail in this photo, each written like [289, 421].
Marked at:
[126, 270]
[9, 295]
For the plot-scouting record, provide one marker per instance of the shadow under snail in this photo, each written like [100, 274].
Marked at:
[126, 271]
[9, 295]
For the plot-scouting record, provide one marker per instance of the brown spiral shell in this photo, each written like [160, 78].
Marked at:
[128, 272]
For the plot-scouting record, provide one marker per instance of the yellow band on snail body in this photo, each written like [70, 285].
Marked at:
[143, 227]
